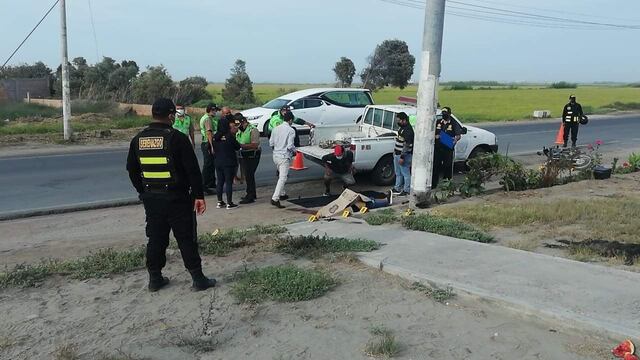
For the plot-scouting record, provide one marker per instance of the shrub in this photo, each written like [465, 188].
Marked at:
[380, 217]
[563, 85]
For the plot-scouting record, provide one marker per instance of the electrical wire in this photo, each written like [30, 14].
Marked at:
[93, 27]
[499, 15]
[28, 35]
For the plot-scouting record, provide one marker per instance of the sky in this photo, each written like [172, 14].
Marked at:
[299, 41]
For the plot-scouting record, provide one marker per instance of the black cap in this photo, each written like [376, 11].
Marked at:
[572, 96]
[447, 109]
[212, 106]
[238, 117]
[162, 108]
[402, 116]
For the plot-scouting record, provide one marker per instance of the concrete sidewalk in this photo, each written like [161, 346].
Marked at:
[572, 294]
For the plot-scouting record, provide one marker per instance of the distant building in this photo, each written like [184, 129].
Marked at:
[17, 89]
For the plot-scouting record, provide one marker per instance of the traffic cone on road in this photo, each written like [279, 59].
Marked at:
[298, 162]
[560, 136]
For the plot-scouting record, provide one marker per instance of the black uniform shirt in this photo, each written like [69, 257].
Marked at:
[186, 164]
[452, 128]
[226, 147]
[339, 166]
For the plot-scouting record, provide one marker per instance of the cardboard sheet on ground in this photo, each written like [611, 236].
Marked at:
[345, 200]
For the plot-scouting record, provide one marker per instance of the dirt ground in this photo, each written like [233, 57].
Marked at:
[117, 316]
[544, 238]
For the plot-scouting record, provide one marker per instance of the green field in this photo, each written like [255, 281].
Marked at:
[498, 104]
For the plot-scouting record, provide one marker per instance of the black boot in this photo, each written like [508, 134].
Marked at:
[201, 282]
[157, 281]
[564, 145]
[573, 144]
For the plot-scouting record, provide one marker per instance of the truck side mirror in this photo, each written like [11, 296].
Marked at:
[464, 130]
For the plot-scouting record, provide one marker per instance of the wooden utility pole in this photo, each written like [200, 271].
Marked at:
[66, 94]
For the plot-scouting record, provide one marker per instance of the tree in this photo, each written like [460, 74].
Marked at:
[152, 84]
[390, 64]
[191, 90]
[345, 70]
[37, 70]
[238, 89]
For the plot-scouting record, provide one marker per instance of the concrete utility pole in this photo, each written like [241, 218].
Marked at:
[422, 166]
[66, 96]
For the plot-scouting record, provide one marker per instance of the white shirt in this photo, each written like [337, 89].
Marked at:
[281, 141]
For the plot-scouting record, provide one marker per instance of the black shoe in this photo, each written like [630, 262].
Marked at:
[157, 281]
[201, 282]
[284, 197]
[564, 145]
[326, 193]
[396, 192]
[277, 204]
[231, 206]
[247, 201]
[404, 193]
[573, 144]
[220, 204]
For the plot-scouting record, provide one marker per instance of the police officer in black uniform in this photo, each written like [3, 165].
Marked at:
[443, 155]
[164, 170]
[572, 116]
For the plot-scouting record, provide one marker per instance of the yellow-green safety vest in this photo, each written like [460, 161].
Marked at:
[244, 137]
[203, 129]
[275, 120]
[183, 125]
[413, 119]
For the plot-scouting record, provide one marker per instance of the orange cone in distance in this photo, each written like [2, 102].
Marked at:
[298, 162]
[560, 136]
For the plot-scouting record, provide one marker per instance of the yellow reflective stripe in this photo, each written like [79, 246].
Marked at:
[156, 174]
[154, 161]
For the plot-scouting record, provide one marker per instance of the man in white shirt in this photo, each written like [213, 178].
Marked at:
[282, 143]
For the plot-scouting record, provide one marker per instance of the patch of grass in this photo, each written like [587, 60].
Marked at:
[13, 111]
[88, 106]
[267, 230]
[315, 246]
[526, 245]
[380, 217]
[583, 254]
[609, 218]
[445, 226]
[435, 293]
[100, 264]
[283, 283]
[104, 262]
[383, 344]
[222, 242]
[25, 275]
[66, 352]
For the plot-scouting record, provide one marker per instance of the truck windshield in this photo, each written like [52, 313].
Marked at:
[276, 103]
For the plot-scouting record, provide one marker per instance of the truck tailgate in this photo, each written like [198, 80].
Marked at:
[314, 153]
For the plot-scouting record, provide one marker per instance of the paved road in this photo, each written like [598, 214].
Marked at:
[34, 182]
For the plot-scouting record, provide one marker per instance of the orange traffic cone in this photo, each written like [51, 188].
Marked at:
[298, 162]
[560, 136]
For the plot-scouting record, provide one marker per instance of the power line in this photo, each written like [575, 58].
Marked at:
[93, 27]
[499, 15]
[31, 32]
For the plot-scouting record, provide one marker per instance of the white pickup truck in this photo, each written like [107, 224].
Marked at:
[372, 140]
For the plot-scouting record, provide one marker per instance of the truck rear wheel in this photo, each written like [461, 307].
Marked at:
[383, 173]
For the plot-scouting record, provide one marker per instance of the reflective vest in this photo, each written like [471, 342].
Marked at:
[244, 137]
[183, 125]
[155, 158]
[275, 120]
[203, 129]
[572, 113]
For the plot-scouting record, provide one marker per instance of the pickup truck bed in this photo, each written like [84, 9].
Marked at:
[314, 153]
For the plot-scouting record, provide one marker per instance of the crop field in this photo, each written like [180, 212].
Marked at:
[494, 104]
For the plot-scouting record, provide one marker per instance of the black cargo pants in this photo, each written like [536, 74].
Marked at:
[165, 213]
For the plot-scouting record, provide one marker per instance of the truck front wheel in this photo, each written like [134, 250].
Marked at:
[383, 173]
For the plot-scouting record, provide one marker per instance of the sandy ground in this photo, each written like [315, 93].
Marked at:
[114, 315]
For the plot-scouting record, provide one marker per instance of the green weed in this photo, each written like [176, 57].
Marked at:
[445, 226]
[283, 283]
[435, 293]
[383, 344]
[380, 217]
[104, 262]
[66, 352]
[315, 246]
[24, 275]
